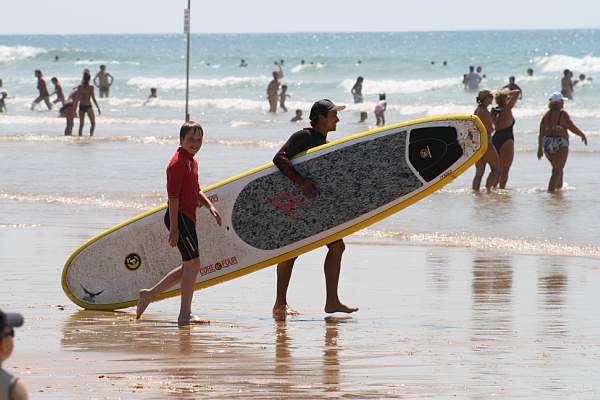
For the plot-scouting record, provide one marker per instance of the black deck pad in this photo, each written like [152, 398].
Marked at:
[271, 212]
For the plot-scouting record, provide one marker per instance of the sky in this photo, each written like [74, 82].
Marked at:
[228, 16]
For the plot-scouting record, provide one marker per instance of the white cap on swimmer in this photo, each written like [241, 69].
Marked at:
[557, 97]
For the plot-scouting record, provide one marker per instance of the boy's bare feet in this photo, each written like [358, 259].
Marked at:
[191, 320]
[144, 300]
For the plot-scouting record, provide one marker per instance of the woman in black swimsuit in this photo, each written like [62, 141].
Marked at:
[86, 94]
[504, 138]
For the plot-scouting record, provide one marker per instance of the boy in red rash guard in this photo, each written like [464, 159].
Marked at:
[184, 196]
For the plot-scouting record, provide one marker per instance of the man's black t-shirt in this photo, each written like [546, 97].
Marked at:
[297, 143]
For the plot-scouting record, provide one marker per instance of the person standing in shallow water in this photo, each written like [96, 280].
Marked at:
[104, 81]
[553, 140]
[484, 99]
[86, 95]
[504, 139]
[567, 85]
[323, 119]
[357, 90]
[43, 91]
[273, 89]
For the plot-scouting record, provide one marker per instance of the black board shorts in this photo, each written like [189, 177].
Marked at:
[188, 240]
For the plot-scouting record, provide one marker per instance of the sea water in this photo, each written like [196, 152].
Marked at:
[47, 179]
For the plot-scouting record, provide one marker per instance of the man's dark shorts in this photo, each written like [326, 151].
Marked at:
[188, 240]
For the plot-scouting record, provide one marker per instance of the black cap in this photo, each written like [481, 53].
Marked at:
[322, 107]
[11, 320]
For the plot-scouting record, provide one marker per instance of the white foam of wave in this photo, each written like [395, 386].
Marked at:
[302, 67]
[399, 86]
[55, 120]
[517, 245]
[20, 226]
[559, 62]
[143, 82]
[144, 202]
[169, 140]
[16, 53]
[105, 62]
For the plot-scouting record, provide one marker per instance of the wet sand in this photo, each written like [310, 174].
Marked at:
[434, 322]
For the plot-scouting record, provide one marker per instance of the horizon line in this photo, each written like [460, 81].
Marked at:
[305, 32]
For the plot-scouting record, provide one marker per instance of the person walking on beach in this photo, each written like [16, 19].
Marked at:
[553, 140]
[513, 86]
[357, 90]
[567, 84]
[180, 219]
[323, 119]
[472, 79]
[43, 91]
[504, 139]
[273, 89]
[484, 99]
[86, 96]
[11, 387]
[103, 80]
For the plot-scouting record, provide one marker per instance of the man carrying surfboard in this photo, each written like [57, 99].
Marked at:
[323, 119]
[184, 196]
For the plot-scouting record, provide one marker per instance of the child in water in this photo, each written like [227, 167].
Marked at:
[282, 96]
[297, 117]
[380, 110]
[3, 97]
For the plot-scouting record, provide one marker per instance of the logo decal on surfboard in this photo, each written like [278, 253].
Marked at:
[287, 203]
[133, 262]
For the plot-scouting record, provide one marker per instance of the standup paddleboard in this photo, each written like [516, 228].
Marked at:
[361, 179]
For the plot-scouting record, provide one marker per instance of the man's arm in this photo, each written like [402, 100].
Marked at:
[111, 79]
[282, 161]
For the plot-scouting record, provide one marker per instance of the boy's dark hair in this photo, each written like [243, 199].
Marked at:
[53, 79]
[298, 111]
[37, 71]
[189, 126]
[284, 86]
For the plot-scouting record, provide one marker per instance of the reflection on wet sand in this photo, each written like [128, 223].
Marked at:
[552, 286]
[492, 321]
[216, 360]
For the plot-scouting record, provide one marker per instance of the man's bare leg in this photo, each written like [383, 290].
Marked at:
[188, 282]
[81, 122]
[92, 117]
[333, 263]
[147, 295]
[284, 274]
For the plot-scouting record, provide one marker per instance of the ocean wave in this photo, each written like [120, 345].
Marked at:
[399, 86]
[558, 63]
[517, 245]
[302, 67]
[142, 82]
[16, 53]
[169, 140]
[55, 120]
[142, 203]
